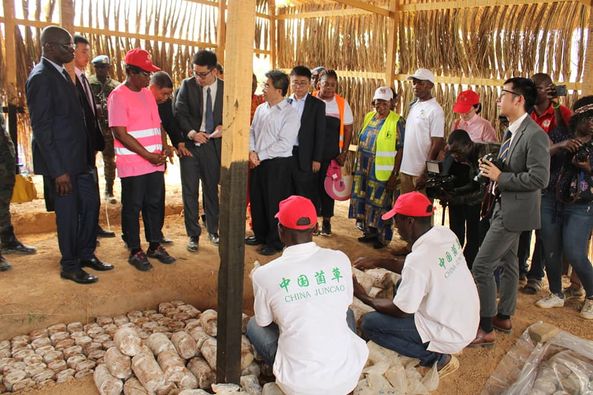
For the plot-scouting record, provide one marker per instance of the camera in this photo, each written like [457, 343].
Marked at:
[584, 152]
[492, 158]
[560, 90]
[439, 183]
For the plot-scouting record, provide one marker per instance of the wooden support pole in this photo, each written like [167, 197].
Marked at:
[273, 33]
[233, 177]
[221, 31]
[587, 86]
[391, 44]
[11, 71]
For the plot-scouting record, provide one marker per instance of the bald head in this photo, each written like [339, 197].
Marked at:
[56, 45]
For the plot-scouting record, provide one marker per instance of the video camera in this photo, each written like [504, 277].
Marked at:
[584, 152]
[439, 183]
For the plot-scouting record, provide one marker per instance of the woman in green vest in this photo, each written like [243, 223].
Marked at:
[378, 158]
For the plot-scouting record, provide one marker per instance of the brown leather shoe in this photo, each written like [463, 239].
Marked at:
[483, 339]
[502, 325]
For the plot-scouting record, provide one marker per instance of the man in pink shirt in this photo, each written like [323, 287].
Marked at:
[468, 107]
[141, 151]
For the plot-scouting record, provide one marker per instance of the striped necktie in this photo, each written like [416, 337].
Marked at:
[504, 148]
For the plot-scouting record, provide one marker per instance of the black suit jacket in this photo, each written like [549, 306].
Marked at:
[95, 136]
[311, 133]
[189, 104]
[169, 122]
[60, 140]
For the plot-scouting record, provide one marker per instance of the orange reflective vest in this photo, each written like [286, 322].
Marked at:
[341, 103]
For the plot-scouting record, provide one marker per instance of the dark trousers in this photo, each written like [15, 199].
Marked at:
[144, 194]
[269, 185]
[536, 271]
[77, 215]
[304, 183]
[326, 203]
[203, 166]
[464, 220]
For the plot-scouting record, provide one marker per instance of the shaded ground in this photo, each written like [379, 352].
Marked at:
[32, 295]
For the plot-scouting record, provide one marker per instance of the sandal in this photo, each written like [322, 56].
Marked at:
[451, 366]
[532, 287]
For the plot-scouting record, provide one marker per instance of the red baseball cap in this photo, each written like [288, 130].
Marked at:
[465, 101]
[297, 212]
[412, 204]
[140, 58]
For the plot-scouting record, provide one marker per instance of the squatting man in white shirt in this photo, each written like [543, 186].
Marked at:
[436, 310]
[302, 324]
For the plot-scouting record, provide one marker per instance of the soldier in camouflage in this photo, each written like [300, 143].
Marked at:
[102, 85]
[7, 176]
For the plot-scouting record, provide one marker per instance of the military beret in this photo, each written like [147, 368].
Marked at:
[101, 59]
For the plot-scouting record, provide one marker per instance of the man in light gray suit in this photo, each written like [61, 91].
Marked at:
[521, 171]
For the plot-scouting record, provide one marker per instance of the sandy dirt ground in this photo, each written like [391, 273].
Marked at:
[32, 295]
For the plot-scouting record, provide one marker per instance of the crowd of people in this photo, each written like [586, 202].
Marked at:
[458, 284]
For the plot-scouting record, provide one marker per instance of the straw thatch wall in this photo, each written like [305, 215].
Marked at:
[462, 42]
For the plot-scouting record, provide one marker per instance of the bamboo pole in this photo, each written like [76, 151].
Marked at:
[273, 32]
[588, 76]
[221, 31]
[233, 176]
[391, 43]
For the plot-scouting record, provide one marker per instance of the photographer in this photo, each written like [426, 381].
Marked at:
[465, 198]
[567, 218]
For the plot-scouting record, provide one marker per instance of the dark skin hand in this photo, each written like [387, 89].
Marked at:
[384, 306]
[63, 185]
[395, 264]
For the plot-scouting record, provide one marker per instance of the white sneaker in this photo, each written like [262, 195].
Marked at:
[550, 301]
[587, 310]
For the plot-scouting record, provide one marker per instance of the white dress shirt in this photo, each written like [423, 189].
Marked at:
[274, 130]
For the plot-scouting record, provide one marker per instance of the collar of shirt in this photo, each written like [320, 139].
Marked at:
[546, 114]
[57, 66]
[281, 106]
[296, 99]
[212, 86]
[514, 126]
[300, 249]
[471, 121]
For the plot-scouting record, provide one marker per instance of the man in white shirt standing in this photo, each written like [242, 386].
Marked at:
[425, 132]
[273, 134]
[436, 310]
[302, 323]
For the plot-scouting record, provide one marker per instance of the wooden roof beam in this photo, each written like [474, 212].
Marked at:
[363, 5]
[444, 5]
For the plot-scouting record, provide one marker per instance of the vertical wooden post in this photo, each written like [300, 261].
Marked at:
[221, 31]
[11, 70]
[273, 33]
[391, 43]
[588, 82]
[233, 176]
[67, 15]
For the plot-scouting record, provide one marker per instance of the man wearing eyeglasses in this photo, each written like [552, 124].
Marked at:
[198, 110]
[63, 153]
[307, 151]
[523, 170]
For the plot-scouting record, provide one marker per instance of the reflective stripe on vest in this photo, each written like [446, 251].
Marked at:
[385, 149]
[150, 139]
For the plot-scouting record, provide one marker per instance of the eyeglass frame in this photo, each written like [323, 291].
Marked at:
[508, 91]
[204, 74]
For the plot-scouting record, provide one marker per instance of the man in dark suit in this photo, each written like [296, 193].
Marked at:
[308, 149]
[89, 106]
[522, 170]
[63, 151]
[198, 110]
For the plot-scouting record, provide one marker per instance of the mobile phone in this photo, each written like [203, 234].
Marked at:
[560, 90]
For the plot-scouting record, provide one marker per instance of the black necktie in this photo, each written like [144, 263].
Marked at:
[209, 124]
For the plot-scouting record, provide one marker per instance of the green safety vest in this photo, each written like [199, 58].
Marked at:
[384, 145]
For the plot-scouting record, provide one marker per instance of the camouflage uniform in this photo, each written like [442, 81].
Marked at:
[101, 92]
[7, 175]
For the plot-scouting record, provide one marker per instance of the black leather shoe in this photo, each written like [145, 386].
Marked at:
[96, 264]
[103, 233]
[79, 276]
[252, 241]
[214, 239]
[370, 238]
[4, 265]
[193, 244]
[267, 250]
[16, 247]
[166, 240]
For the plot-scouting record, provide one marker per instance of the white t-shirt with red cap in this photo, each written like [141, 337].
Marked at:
[438, 288]
[306, 292]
